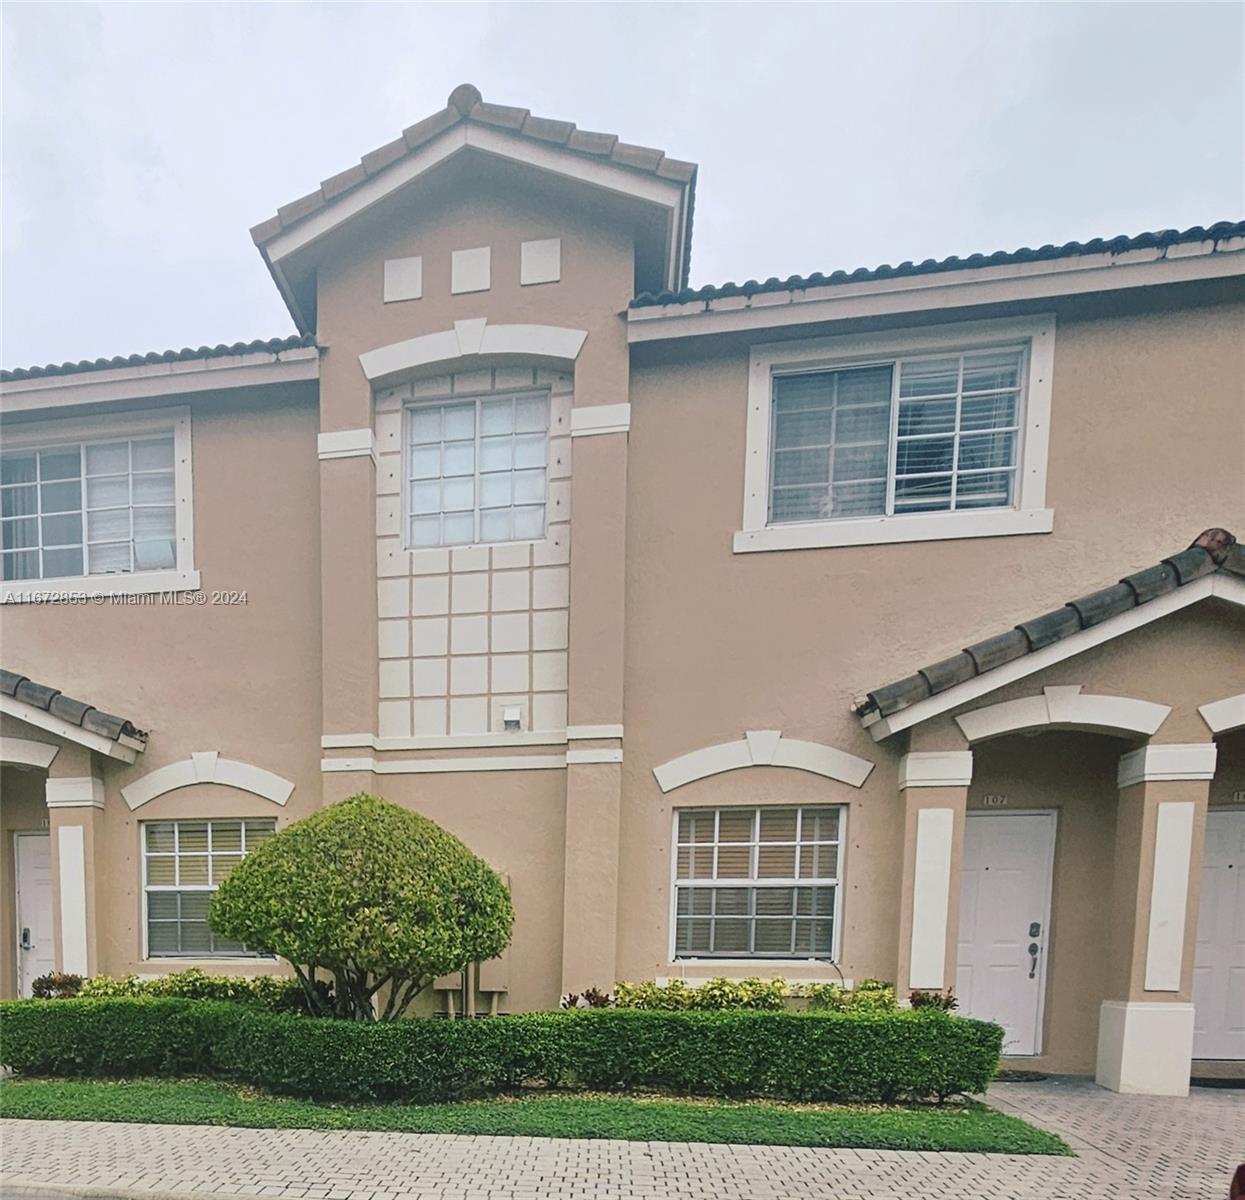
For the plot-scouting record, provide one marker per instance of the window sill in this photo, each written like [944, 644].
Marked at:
[138, 583]
[870, 531]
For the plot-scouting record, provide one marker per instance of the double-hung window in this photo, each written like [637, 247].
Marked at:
[184, 862]
[477, 469]
[910, 435]
[757, 882]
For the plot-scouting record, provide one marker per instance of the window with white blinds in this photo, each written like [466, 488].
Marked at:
[920, 434]
[757, 882]
[92, 508]
[184, 862]
[477, 470]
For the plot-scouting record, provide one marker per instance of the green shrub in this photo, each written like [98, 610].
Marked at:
[380, 898]
[869, 995]
[848, 1056]
[770, 995]
[272, 992]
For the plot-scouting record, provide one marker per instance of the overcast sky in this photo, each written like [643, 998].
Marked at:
[141, 142]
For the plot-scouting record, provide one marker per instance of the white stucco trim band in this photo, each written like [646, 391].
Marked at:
[1219, 585]
[1179, 760]
[125, 751]
[84, 791]
[763, 748]
[1173, 850]
[936, 768]
[931, 898]
[470, 339]
[207, 766]
[71, 856]
[577, 733]
[1066, 708]
[600, 418]
[347, 443]
[432, 766]
[250, 370]
[452, 741]
[1145, 1047]
[26, 752]
[1223, 716]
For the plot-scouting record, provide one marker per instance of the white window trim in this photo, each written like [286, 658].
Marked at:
[189, 959]
[477, 398]
[672, 910]
[1029, 515]
[183, 577]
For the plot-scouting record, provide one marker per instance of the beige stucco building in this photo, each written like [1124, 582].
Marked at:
[659, 599]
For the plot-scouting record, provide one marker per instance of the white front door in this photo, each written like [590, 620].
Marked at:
[33, 877]
[1219, 966]
[1004, 915]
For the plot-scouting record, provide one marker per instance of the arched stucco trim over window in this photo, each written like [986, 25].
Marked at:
[1223, 716]
[207, 767]
[1065, 707]
[473, 339]
[763, 748]
[25, 752]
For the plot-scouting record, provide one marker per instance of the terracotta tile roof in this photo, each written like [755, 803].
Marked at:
[465, 104]
[270, 346]
[1116, 245]
[1214, 550]
[76, 712]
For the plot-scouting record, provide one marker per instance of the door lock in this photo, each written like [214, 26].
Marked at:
[1035, 928]
[1033, 957]
[27, 944]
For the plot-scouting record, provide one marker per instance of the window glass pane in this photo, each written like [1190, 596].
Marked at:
[801, 467]
[425, 425]
[109, 491]
[226, 836]
[819, 824]
[993, 489]
[730, 902]
[426, 498]
[497, 416]
[529, 522]
[426, 531]
[924, 454]
[531, 414]
[807, 428]
[734, 861]
[108, 524]
[154, 455]
[457, 495]
[988, 412]
[458, 459]
[775, 902]
[458, 528]
[496, 525]
[860, 462]
[192, 870]
[154, 489]
[258, 832]
[459, 422]
[18, 468]
[59, 531]
[799, 504]
[162, 870]
[926, 416]
[778, 824]
[987, 450]
[19, 501]
[929, 377]
[495, 490]
[196, 940]
[162, 937]
[109, 558]
[21, 564]
[222, 866]
[496, 454]
[735, 825]
[60, 497]
[923, 494]
[529, 487]
[62, 563]
[426, 462]
[192, 837]
[20, 533]
[992, 371]
[152, 523]
[160, 836]
[773, 938]
[162, 906]
[530, 450]
[776, 862]
[60, 464]
[110, 458]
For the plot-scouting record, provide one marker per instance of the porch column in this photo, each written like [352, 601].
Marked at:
[75, 800]
[595, 694]
[934, 787]
[1145, 1026]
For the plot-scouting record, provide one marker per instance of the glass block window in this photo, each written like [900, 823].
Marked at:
[184, 862]
[913, 435]
[757, 882]
[95, 508]
[477, 470]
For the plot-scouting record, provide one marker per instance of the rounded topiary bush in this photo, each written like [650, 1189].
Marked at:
[380, 898]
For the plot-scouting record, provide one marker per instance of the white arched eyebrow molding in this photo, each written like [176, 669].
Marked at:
[470, 339]
[1065, 707]
[24, 752]
[207, 767]
[763, 748]
[1223, 716]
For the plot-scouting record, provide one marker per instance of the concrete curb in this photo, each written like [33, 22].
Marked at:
[16, 1190]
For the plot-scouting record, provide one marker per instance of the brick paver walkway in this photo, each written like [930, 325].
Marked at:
[1128, 1146]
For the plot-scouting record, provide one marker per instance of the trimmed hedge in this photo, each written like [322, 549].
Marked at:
[867, 1057]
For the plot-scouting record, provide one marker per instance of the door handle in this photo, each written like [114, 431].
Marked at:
[1033, 957]
[27, 944]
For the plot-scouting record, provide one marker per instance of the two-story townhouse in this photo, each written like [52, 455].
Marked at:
[762, 629]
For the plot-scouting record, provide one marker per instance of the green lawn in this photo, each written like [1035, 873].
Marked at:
[971, 1127]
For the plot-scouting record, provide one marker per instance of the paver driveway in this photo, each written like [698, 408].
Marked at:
[1128, 1146]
